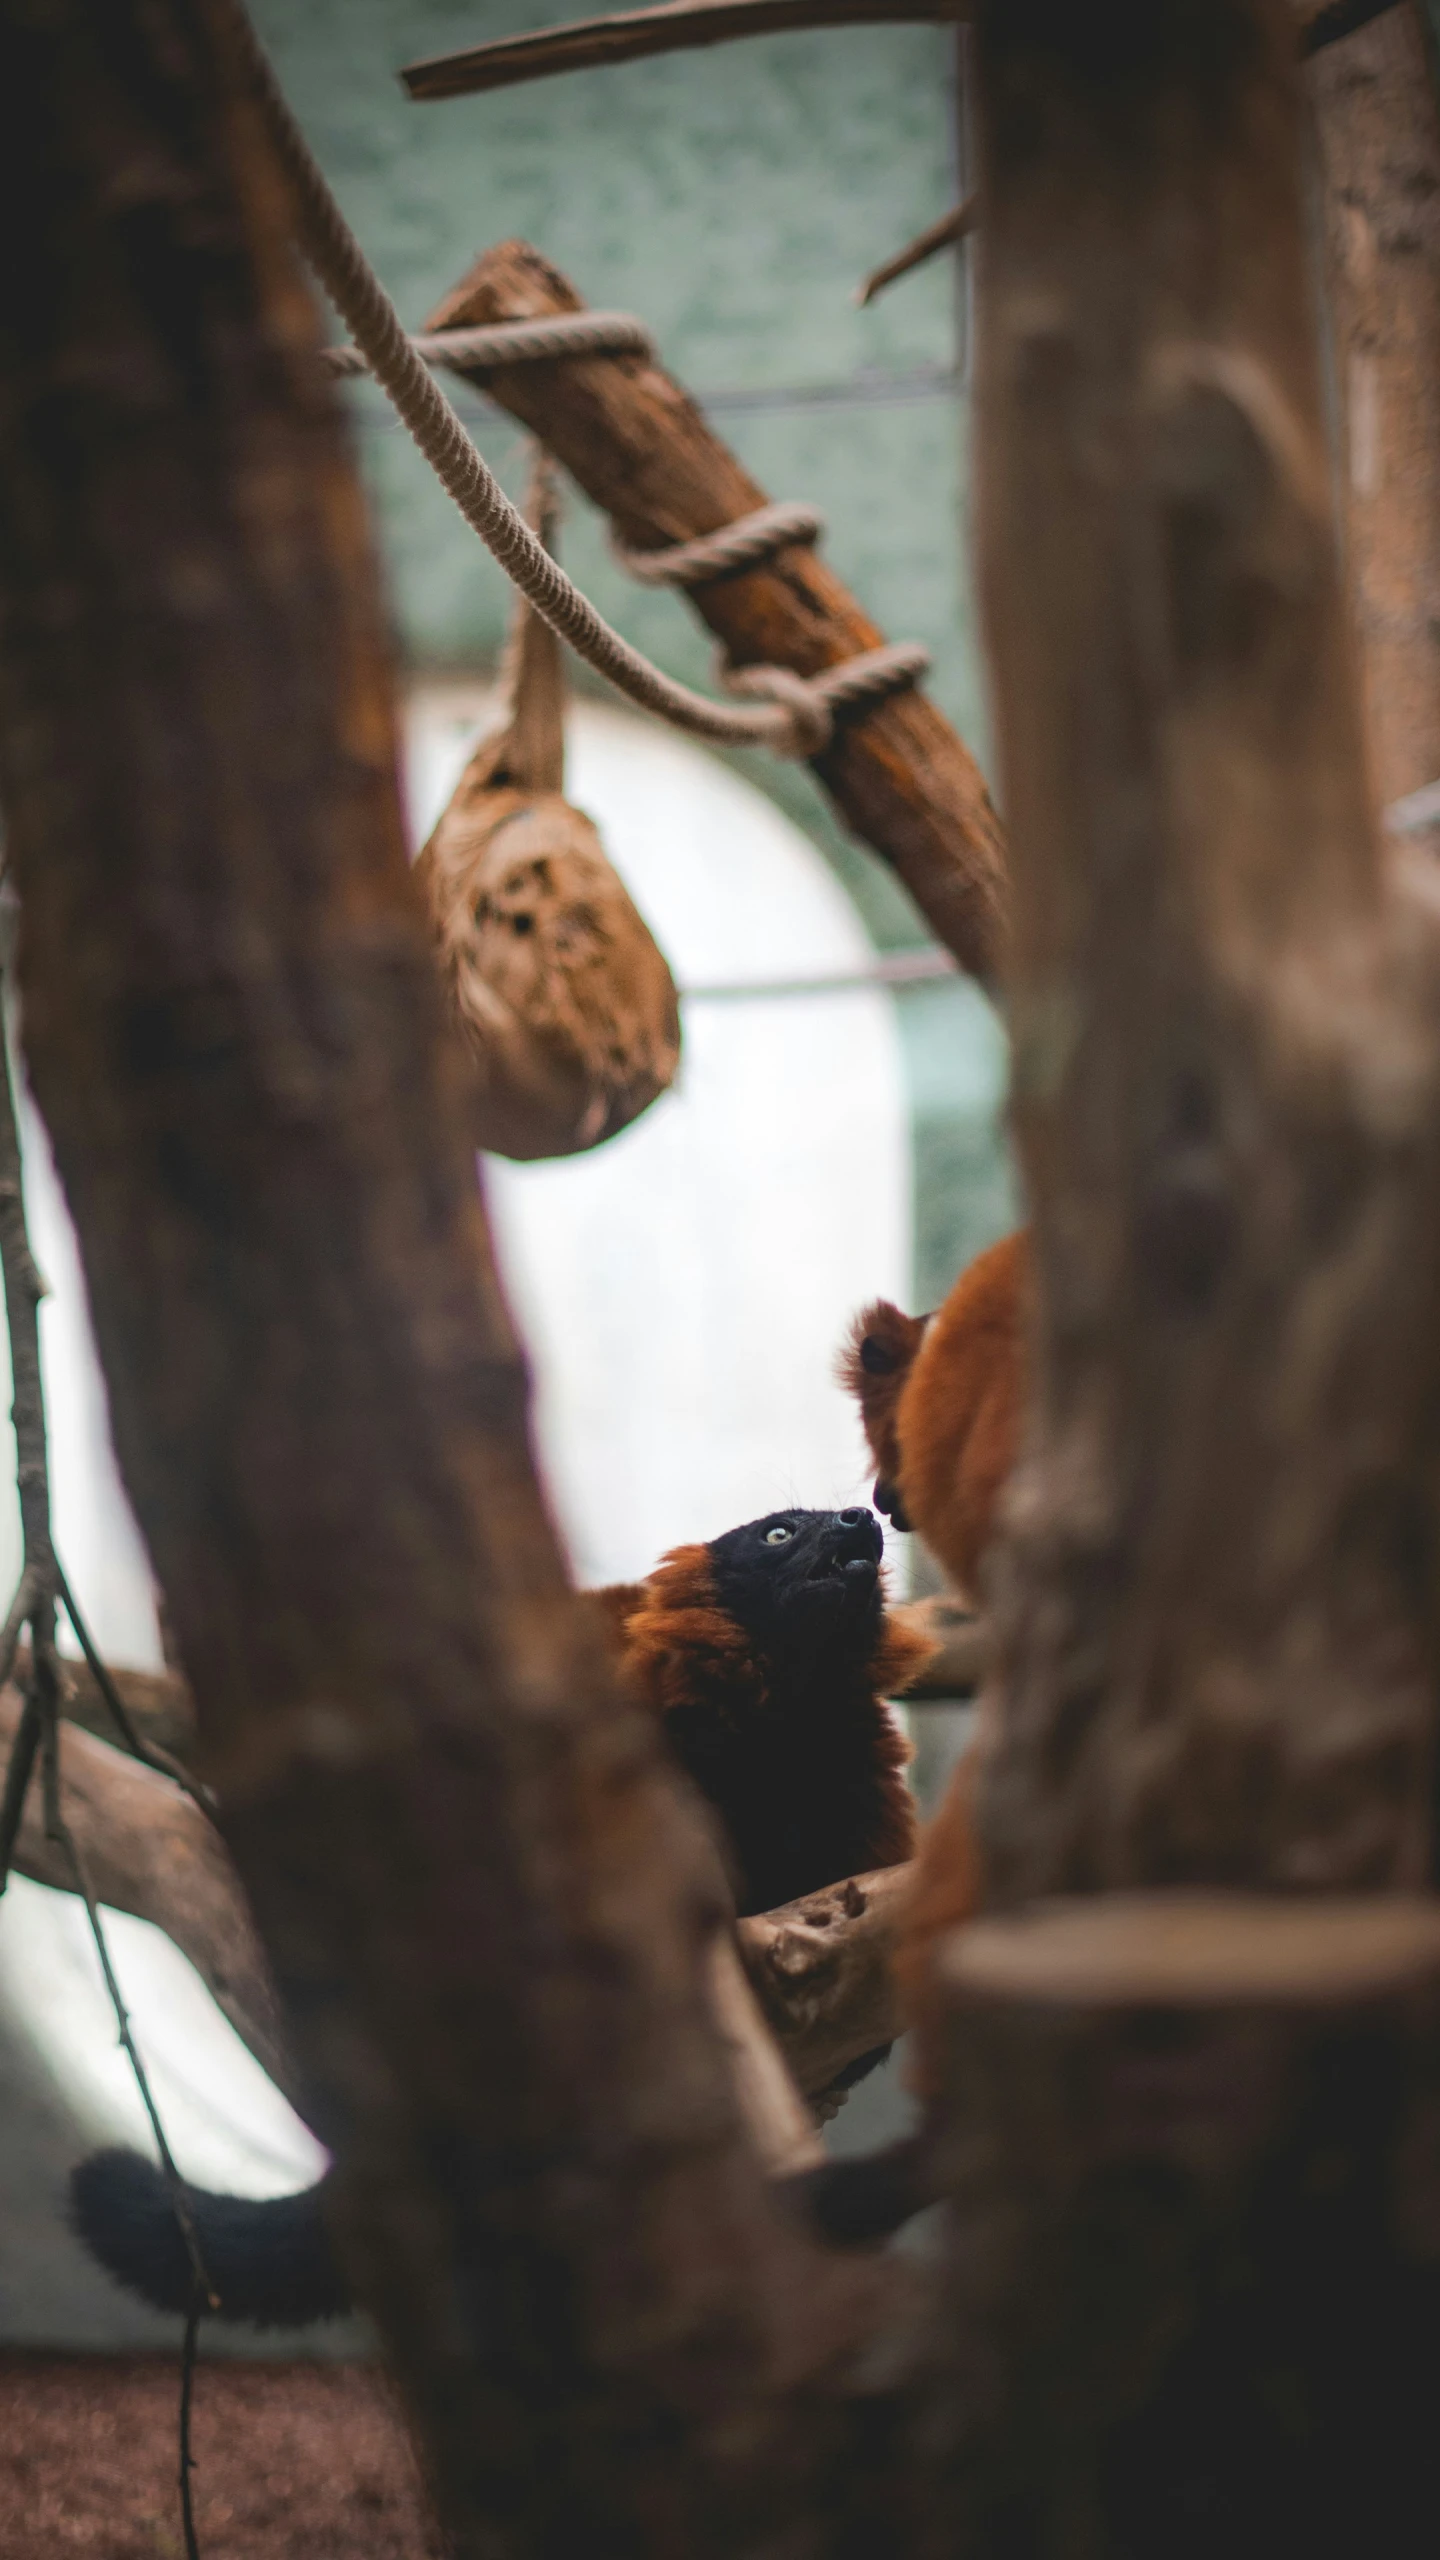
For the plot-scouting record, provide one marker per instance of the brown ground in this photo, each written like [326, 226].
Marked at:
[295, 2462]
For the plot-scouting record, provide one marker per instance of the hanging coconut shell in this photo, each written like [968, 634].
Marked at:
[564, 1004]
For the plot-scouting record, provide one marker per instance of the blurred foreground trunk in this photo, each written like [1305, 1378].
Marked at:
[489, 1914]
[1196, 2279]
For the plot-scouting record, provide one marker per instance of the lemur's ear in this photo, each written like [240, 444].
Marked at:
[874, 1366]
[882, 1344]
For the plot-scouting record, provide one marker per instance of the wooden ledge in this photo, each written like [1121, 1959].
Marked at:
[1199, 1950]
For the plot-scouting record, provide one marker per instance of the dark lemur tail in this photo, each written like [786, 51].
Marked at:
[268, 2260]
[853, 2203]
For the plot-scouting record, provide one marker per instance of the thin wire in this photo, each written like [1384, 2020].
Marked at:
[188, 2357]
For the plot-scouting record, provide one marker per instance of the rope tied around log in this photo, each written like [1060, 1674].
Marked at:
[742, 544]
[780, 721]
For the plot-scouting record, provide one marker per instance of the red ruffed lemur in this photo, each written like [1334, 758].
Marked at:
[940, 1398]
[767, 1655]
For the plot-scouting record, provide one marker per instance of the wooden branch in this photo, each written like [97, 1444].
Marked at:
[963, 1642]
[158, 1703]
[486, 1903]
[1379, 133]
[588, 44]
[955, 225]
[641, 450]
[149, 1849]
[820, 1969]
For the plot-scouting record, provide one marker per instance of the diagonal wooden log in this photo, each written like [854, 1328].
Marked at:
[821, 1969]
[158, 1703]
[639, 447]
[149, 1849]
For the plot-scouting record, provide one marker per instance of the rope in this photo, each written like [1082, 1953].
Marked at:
[569, 333]
[373, 322]
[741, 544]
[813, 701]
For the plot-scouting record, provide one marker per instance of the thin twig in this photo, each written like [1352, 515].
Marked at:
[586, 44]
[952, 226]
[14, 1626]
[187, 2392]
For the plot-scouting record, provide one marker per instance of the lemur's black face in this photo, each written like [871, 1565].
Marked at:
[803, 1583]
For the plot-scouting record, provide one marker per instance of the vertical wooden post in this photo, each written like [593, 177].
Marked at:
[1215, 1609]
[1378, 121]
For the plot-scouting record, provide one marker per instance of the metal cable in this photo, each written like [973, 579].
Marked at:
[342, 268]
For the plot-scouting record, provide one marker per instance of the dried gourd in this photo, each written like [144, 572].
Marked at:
[564, 1004]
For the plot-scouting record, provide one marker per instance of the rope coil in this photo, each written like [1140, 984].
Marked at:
[370, 316]
[741, 544]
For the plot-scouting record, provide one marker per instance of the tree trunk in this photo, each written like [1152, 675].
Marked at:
[489, 1912]
[1215, 1612]
[1379, 131]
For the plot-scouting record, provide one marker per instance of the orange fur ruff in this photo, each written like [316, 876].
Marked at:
[940, 1399]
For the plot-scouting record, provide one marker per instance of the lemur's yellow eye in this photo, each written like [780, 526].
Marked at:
[778, 1537]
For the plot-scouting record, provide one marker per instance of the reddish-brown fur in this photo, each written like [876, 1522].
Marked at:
[943, 1415]
[940, 1398]
[808, 1785]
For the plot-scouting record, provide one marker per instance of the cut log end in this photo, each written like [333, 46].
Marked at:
[1187, 1950]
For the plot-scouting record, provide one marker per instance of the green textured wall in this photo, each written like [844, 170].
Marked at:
[732, 198]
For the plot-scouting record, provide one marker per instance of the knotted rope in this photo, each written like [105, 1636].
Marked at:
[783, 721]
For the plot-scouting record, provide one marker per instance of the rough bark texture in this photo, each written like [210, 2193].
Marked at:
[821, 1968]
[1379, 133]
[1195, 2270]
[1214, 1623]
[488, 1912]
[639, 447]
